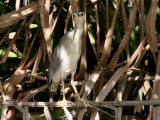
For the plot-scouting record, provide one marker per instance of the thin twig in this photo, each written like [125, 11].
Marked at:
[109, 104]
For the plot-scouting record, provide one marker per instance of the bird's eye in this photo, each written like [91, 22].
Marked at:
[82, 14]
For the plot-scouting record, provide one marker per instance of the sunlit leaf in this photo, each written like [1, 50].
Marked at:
[91, 37]
[10, 55]
[33, 26]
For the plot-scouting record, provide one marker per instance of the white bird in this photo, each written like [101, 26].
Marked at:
[66, 56]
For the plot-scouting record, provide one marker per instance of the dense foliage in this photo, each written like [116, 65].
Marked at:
[122, 41]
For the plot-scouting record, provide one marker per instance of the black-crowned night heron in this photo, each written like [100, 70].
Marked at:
[66, 55]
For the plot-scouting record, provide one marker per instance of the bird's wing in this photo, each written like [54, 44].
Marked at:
[58, 56]
[54, 65]
[66, 38]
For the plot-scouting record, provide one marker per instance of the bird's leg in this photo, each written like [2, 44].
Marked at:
[79, 99]
[64, 97]
[63, 91]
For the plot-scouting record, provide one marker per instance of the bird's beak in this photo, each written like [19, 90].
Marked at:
[75, 15]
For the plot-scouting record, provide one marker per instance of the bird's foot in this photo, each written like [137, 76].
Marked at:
[65, 102]
[84, 102]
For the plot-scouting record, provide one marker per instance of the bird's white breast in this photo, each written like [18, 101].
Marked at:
[71, 56]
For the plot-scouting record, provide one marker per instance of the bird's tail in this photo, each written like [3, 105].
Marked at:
[49, 82]
[52, 84]
[53, 87]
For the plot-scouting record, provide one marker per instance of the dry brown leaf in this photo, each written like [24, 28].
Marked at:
[74, 6]
[3, 60]
[83, 62]
[156, 90]
[98, 31]
[13, 17]
[88, 87]
[151, 26]
[108, 87]
[108, 41]
[37, 60]
[10, 88]
[137, 51]
[127, 35]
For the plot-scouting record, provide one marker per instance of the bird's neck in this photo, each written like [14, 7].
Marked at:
[78, 32]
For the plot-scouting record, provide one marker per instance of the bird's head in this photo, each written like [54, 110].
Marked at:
[78, 19]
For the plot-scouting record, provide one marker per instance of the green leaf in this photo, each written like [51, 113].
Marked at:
[91, 37]
[10, 55]
[2, 10]
[33, 26]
